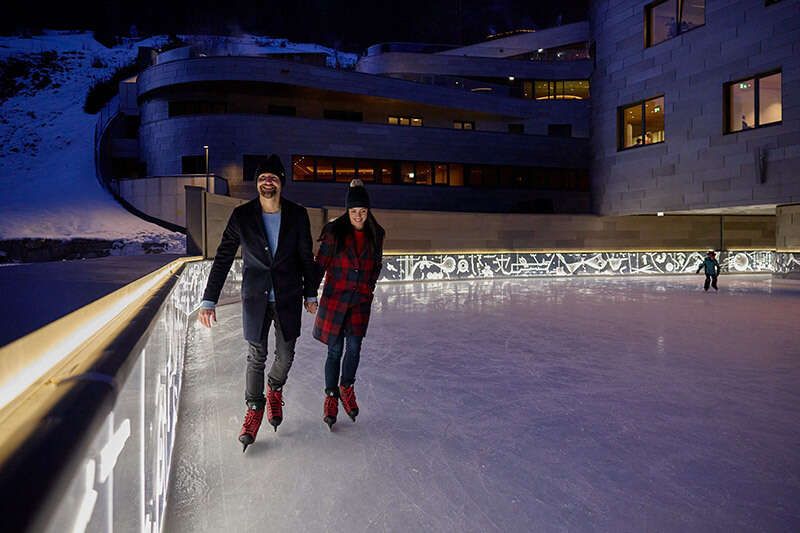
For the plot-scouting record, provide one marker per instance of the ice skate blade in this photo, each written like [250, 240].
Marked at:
[330, 422]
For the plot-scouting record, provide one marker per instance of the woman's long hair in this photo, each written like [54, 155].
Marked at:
[341, 228]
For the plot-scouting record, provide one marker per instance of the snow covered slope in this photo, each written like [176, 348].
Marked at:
[48, 187]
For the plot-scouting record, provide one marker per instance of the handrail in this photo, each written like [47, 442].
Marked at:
[33, 367]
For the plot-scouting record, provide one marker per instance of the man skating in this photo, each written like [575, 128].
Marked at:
[712, 267]
[279, 271]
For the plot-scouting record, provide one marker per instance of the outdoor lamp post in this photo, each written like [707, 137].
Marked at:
[205, 149]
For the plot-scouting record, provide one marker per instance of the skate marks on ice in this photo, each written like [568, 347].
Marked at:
[515, 405]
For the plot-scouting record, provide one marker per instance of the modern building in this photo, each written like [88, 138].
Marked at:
[669, 106]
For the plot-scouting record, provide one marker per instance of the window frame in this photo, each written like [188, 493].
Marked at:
[726, 102]
[678, 18]
[621, 123]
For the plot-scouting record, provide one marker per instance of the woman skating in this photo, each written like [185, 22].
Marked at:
[349, 256]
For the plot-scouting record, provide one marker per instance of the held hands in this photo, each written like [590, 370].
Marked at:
[207, 317]
[311, 307]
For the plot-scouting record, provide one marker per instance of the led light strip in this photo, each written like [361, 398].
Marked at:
[27, 360]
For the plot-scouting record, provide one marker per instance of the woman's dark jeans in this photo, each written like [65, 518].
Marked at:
[352, 353]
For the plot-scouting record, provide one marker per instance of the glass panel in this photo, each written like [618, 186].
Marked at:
[387, 172]
[302, 168]
[693, 14]
[345, 170]
[456, 174]
[416, 122]
[576, 90]
[324, 169]
[458, 125]
[557, 89]
[542, 90]
[769, 99]
[631, 126]
[366, 170]
[407, 172]
[654, 120]
[392, 120]
[404, 121]
[489, 176]
[741, 115]
[423, 174]
[527, 89]
[474, 179]
[440, 177]
[469, 125]
[661, 22]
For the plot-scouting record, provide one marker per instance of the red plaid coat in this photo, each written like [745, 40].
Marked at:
[349, 286]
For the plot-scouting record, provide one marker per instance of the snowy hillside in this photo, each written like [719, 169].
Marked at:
[48, 187]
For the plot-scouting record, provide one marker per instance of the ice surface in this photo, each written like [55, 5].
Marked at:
[616, 404]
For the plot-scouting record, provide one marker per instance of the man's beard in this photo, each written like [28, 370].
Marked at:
[268, 193]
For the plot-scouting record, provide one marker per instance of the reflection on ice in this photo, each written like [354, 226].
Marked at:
[625, 404]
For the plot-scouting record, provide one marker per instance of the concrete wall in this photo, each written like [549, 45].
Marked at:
[453, 65]
[431, 231]
[163, 197]
[698, 166]
[526, 42]
[787, 228]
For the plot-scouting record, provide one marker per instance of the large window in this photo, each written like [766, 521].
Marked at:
[427, 173]
[558, 90]
[753, 102]
[641, 123]
[665, 19]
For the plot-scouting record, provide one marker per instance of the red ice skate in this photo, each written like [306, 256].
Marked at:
[274, 407]
[348, 396]
[252, 421]
[331, 409]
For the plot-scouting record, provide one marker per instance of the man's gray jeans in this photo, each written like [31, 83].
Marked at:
[257, 360]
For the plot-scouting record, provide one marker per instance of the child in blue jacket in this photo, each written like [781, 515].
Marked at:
[712, 267]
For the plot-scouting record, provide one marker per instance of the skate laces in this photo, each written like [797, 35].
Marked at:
[275, 401]
[331, 405]
[252, 420]
[348, 395]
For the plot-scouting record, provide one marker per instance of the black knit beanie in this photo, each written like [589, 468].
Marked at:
[356, 195]
[272, 165]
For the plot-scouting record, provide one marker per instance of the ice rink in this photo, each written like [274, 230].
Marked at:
[567, 404]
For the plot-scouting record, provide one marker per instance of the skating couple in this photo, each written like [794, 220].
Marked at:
[281, 275]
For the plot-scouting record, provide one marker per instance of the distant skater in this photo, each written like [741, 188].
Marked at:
[712, 267]
[350, 257]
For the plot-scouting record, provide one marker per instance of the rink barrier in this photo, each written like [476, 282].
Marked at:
[518, 264]
[111, 436]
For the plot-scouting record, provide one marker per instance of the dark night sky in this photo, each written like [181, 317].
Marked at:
[351, 25]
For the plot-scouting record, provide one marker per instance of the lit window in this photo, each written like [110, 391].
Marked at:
[642, 123]
[302, 168]
[667, 18]
[393, 120]
[561, 90]
[416, 121]
[753, 102]
[463, 124]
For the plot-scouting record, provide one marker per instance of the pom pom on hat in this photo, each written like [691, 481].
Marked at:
[356, 195]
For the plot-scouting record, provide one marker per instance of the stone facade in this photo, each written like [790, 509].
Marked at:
[698, 166]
